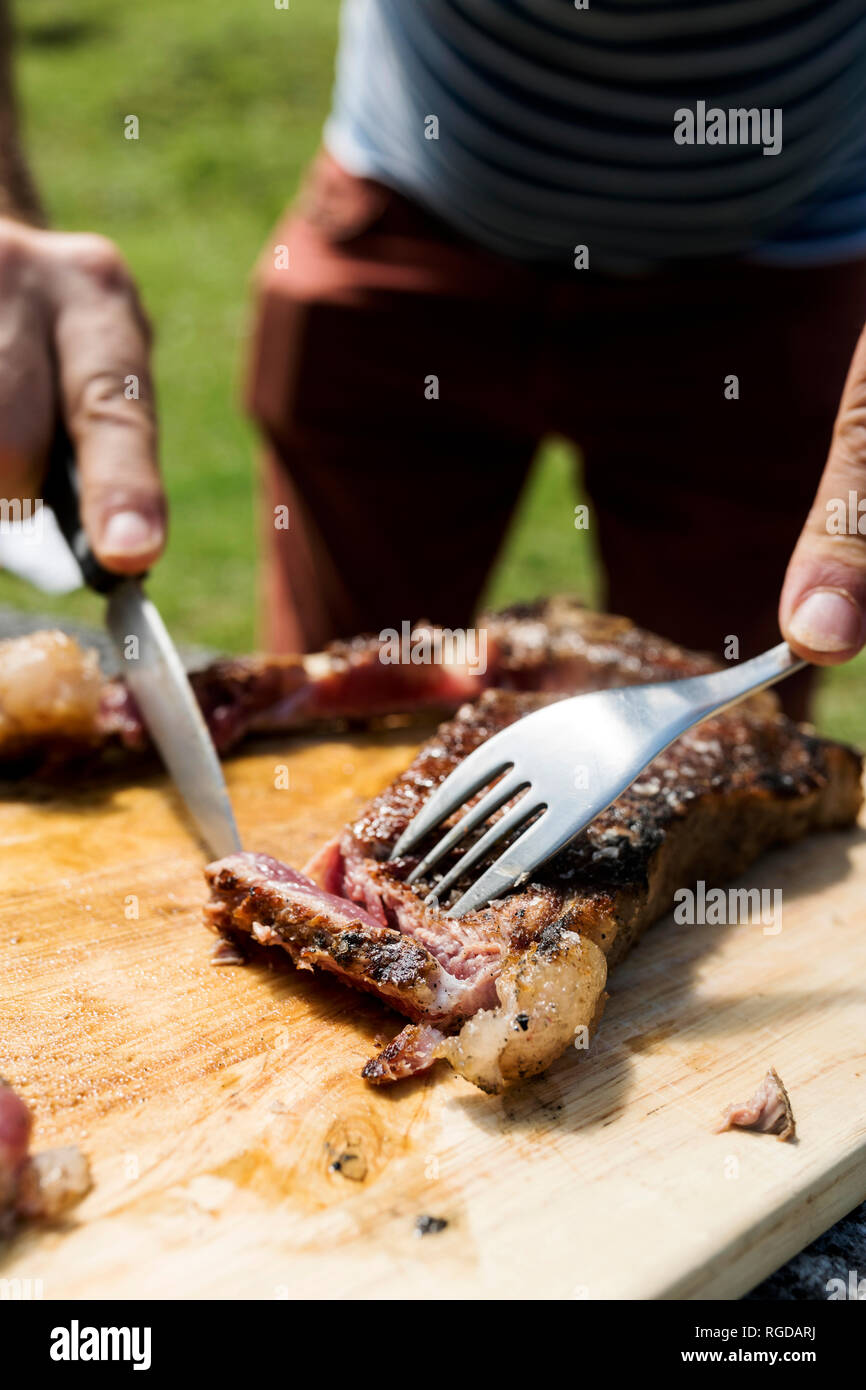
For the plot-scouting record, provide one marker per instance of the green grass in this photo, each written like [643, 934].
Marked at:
[230, 97]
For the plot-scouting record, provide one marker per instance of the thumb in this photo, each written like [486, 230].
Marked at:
[102, 344]
[822, 611]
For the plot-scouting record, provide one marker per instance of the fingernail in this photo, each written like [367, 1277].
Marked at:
[129, 533]
[827, 621]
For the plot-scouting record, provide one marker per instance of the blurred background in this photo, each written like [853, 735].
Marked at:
[231, 97]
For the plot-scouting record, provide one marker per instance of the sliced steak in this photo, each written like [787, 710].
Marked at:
[554, 644]
[54, 705]
[268, 694]
[277, 906]
[526, 975]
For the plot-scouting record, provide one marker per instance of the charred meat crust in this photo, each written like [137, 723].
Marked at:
[413, 1050]
[743, 751]
[257, 895]
[557, 644]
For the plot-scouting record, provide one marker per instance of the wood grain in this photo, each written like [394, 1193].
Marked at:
[237, 1153]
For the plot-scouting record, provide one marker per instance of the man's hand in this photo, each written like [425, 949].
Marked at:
[74, 338]
[822, 612]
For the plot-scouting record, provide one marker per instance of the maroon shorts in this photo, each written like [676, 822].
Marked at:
[399, 498]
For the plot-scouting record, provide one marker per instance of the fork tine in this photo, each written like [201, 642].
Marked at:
[520, 858]
[496, 797]
[460, 786]
[497, 832]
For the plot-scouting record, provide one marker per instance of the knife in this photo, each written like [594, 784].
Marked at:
[151, 667]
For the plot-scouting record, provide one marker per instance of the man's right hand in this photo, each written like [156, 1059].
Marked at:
[74, 339]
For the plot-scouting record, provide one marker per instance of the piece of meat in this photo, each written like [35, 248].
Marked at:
[16, 1123]
[42, 1185]
[55, 705]
[228, 951]
[49, 695]
[558, 981]
[52, 1181]
[264, 694]
[277, 906]
[526, 974]
[554, 644]
[547, 997]
[768, 1112]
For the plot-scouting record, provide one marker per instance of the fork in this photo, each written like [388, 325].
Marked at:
[570, 760]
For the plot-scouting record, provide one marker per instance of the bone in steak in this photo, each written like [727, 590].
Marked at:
[501, 992]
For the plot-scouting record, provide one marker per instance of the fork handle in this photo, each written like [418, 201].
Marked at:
[715, 692]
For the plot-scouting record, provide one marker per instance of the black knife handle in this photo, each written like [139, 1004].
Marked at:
[60, 493]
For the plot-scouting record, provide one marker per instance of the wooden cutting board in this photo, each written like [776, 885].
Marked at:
[237, 1154]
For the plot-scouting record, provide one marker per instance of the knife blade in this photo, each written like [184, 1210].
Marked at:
[154, 673]
[150, 666]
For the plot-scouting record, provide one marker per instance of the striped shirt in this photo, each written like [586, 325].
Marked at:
[533, 127]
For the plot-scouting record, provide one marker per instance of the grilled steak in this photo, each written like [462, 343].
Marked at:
[54, 704]
[269, 694]
[556, 644]
[501, 992]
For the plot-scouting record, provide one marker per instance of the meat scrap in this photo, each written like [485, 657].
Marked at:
[501, 992]
[42, 1185]
[768, 1112]
[228, 951]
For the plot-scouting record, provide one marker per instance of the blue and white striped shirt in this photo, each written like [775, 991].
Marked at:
[556, 125]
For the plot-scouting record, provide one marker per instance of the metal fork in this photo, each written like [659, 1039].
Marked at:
[570, 760]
